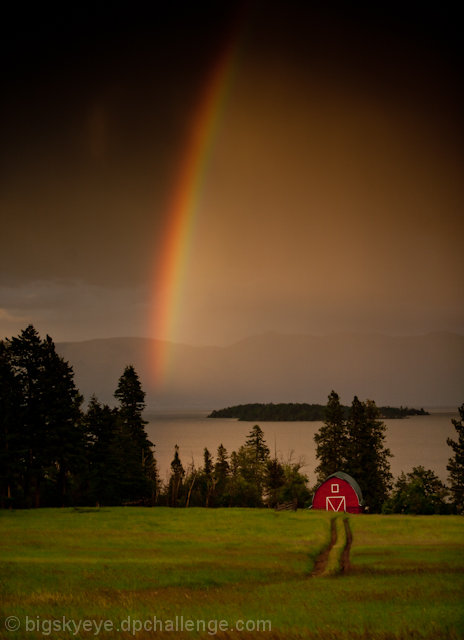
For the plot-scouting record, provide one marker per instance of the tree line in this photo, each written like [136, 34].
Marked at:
[53, 452]
[249, 477]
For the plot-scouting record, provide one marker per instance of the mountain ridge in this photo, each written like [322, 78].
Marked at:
[423, 370]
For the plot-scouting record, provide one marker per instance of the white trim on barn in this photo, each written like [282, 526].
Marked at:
[335, 503]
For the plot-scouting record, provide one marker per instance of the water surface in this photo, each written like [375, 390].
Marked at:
[418, 440]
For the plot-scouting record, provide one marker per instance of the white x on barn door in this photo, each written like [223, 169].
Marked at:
[335, 503]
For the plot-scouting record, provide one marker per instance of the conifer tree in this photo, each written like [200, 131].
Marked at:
[131, 406]
[65, 436]
[221, 476]
[140, 472]
[367, 458]
[175, 481]
[331, 439]
[456, 463]
[105, 463]
[256, 443]
[252, 462]
[221, 467]
[208, 477]
[10, 438]
[207, 463]
[49, 416]
[27, 360]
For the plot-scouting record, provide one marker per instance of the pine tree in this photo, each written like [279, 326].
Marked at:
[131, 406]
[140, 472]
[456, 463]
[27, 360]
[221, 476]
[331, 439]
[51, 442]
[175, 481]
[252, 459]
[105, 461]
[367, 458]
[65, 436]
[208, 477]
[257, 445]
[207, 463]
[10, 438]
[221, 468]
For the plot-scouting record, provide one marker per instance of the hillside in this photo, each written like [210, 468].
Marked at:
[417, 371]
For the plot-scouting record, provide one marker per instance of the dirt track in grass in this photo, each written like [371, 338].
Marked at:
[320, 566]
[345, 558]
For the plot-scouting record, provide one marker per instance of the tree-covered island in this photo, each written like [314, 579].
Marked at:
[300, 412]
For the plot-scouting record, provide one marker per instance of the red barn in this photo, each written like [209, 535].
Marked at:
[339, 492]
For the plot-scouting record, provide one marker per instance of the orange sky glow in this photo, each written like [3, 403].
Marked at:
[331, 199]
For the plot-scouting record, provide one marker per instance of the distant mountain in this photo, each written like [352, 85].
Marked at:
[420, 371]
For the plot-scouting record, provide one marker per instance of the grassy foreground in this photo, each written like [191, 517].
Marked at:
[117, 570]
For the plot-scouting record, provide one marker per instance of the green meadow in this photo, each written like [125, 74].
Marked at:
[193, 572]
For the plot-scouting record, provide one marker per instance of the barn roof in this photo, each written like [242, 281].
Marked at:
[351, 481]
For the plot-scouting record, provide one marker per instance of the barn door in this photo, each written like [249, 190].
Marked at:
[335, 503]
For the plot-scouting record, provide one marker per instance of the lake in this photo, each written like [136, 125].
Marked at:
[418, 440]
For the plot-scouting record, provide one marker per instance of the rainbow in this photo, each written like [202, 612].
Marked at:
[184, 204]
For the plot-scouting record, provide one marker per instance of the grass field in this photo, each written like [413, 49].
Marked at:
[168, 569]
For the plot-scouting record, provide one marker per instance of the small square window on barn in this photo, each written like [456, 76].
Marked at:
[335, 488]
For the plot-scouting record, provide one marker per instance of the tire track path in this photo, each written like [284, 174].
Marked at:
[323, 558]
[340, 564]
[345, 557]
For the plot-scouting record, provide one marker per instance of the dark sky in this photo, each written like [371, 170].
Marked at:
[332, 201]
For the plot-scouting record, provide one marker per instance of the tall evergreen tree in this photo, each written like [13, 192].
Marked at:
[456, 462]
[256, 443]
[141, 477]
[208, 465]
[65, 435]
[331, 439]
[221, 476]
[49, 416]
[251, 461]
[27, 359]
[176, 478]
[208, 477]
[367, 458]
[105, 460]
[10, 431]
[233, 480]
[131, 399]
